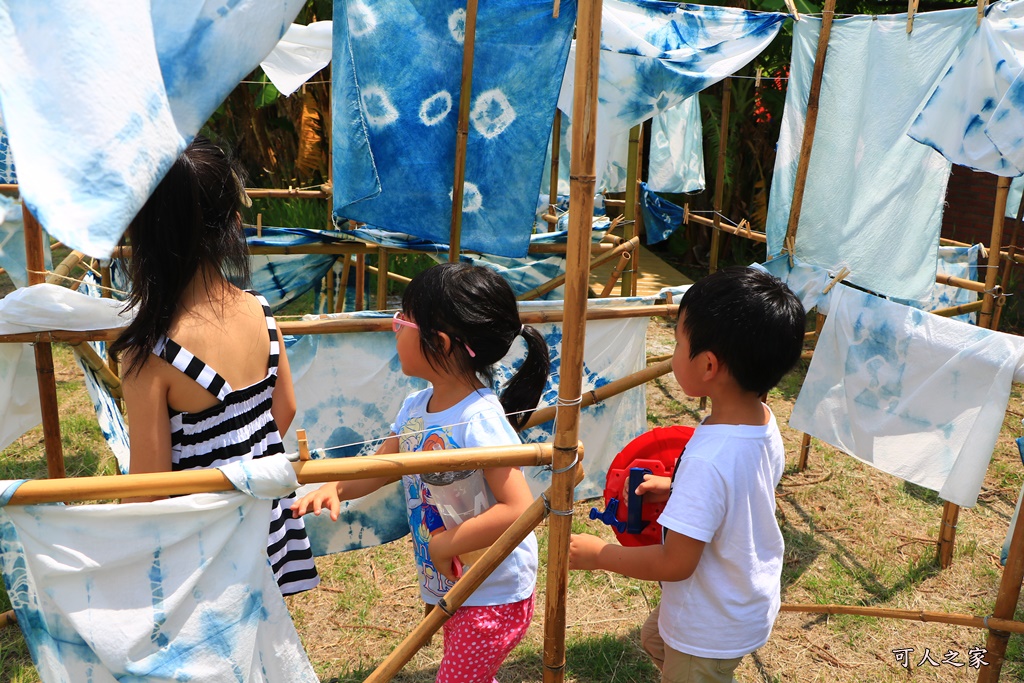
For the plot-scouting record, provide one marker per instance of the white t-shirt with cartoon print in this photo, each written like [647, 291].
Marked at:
[477, 420]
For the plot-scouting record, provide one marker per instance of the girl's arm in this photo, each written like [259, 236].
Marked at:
[149, 424]
[330, 495]
[283, 404]
[513, 497]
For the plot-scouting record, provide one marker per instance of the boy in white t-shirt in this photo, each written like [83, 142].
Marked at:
[720, 563]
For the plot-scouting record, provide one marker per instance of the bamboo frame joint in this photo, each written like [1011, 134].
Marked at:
[548, 510]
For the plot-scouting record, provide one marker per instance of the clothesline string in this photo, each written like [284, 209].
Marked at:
[50, 273]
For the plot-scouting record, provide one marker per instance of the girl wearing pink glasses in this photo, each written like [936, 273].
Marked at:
[456, 322]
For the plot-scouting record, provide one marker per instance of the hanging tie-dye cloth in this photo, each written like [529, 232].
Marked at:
[661, 217]
[655, 54]
[916, 395]
[961, 262]
[396, 85]
[873, 198]
[7, 173]
[100, 97]
[975, 117]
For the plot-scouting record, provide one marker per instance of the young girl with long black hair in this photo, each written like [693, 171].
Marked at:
[456, 322]
[206, 378]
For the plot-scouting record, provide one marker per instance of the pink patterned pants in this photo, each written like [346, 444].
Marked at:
[478, 639]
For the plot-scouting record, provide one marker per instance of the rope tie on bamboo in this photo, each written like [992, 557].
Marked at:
[569, 467]
[569, 402]
[555, 667]
[584, 178]
[444, 607]
[548, 510]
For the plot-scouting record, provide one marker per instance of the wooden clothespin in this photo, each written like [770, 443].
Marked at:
[982, 4]
[744, 225]
[791, 6]
[911, 11]
[757, 79]
[556, 8]
[686, 213]
[839, 277]
[259, 225]
[300, 434]
[791, 249]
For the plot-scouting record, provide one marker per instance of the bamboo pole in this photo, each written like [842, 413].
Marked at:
[994, 247]
[382, 278]
[1004, 281]
[608, 390]
[810, 122]
[462, 132]
[958, 310]
[349, 325]
[581, 209]
[723, 142]
[739, 231]
[617, 272]
[631, 207]
[555, 282]
[556, 143]
[8, 189]
[464, 587]
[325, 192]
[360, 281]
[36, 265]
[64, 268]
[1006, 604]
[805, 440]
[38, 491]
[391, 276]
[346, 268]
[909, 615]
[8, 618]
[105, 373]
[329, 290]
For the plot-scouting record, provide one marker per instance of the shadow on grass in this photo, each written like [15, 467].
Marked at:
[921, 493]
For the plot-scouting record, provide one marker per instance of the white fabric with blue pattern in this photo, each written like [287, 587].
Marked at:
[283, 278]
[100, 97]
[961, 262]
[190, 598]
[873, 199]
[807, 282]
[913, 394]
[8, 174]
[975, 117]
[396, 112]
[676, 160]
[654, 55]
[1013, 198]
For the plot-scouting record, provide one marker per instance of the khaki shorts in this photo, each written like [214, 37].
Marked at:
[677, 667]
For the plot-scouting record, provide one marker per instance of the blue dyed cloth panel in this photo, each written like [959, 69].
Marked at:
[8, 174]
[349, 388]
[100, 97]
[961, 262]
[396, 112]
[654, 55]
[975, 117]
[283, 278]
[190, 598]
[1014, 197]
[611, 179]
[676, 160]
[873, 199]
[661, 217]
[913, 394]
[807, 282]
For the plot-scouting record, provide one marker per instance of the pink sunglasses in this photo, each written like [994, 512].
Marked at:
[397, 322]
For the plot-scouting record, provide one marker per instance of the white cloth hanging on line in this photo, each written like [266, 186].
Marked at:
[916, 395]
[302, 51]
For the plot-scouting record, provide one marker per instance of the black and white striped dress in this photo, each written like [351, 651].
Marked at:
[241, 427]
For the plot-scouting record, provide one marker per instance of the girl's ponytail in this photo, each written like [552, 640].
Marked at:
[524, 390]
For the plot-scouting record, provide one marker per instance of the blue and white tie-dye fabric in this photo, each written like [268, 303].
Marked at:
[190, 598]
[975, 117]
[654, 55]
[349, 388]
[7, 171]
[99, 98]
[661, 217]
[961, 262]
[676, 160]
[12, 241]
[282, 278]
[1014, 197]
[873, 199]
[807, 282]
[396, 112]
[916, 395]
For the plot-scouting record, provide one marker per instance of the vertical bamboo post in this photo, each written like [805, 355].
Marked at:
[36, 263]
[382, 279]
[329, 290]
[805, 440]
[1011, 252]
[631, 208]
[581, 209]
[810, 121]
[556, 144]
[1006, 604]
[723, 142]
[360, 281]
[462, 134]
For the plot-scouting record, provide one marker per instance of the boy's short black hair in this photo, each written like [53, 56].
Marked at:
[750, 320]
